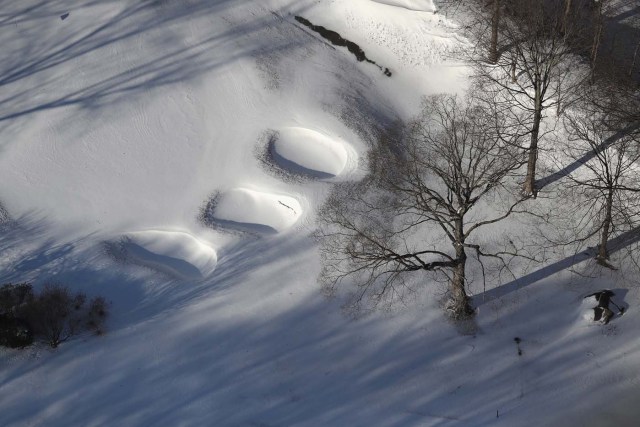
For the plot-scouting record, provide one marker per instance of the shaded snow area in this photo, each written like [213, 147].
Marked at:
[132, 165]
[170, 251]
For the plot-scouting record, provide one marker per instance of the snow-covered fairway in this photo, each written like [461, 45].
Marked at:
[126, 121]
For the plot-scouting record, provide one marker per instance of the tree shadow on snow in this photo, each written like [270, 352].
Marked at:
[573, 166]
[36, 76]
[301, 365]
[616, 244]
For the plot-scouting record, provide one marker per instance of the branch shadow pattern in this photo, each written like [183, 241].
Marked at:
[573, 166]
[300, 366]
[35, 77]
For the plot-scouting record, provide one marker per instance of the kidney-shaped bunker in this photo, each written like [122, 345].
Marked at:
[308, 151]
[173, 252]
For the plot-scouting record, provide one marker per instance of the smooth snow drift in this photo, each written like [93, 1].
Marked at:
[312, 151]
[417, 5]
[256, 210]
[173, 252]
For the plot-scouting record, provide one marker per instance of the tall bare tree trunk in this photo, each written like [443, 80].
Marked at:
[603, 253]
[597, 36]
[459, 302]
[530, 179]
[635, 57]
[495, 24]
[565, 19]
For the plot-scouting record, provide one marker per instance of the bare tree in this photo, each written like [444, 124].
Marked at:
[598, 23]
[634, 59]
[618, 98]
[482, 19]
[57, 314]
[536, 72]
[607, 184]
[495, 30]
[421, 205]
[601, 8]
[566, 16]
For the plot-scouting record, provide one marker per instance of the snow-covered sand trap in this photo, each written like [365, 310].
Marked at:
[418, 5]
[256, 211]
[308, 151]
[173, 252]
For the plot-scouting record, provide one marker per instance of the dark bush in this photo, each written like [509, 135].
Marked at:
[54, 315]
[14, 297]
[15, 331]
[96, 315]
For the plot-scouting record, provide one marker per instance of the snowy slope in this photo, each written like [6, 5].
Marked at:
[138, 162]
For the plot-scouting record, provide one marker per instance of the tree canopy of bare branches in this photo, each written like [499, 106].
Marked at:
[535, 71]
[419, 208]
[607, 185]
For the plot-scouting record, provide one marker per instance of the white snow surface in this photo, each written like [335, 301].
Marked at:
[417, 5]
[124, 118]
[312, 150]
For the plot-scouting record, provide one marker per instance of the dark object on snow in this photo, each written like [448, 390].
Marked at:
[337, 40]
[14, 332]
[64, 16]
[518, 341]
[601, 312]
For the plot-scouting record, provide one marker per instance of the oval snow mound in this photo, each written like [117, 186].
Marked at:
[257, 211]
[177, 253]
[418, 5]
[312, 151]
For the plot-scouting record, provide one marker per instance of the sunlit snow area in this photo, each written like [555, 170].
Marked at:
[172, 155]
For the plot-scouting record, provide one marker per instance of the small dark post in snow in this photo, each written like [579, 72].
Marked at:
[64, 16]
[518, 341]
[497, 413]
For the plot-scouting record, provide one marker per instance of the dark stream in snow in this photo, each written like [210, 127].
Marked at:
[337, 40]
